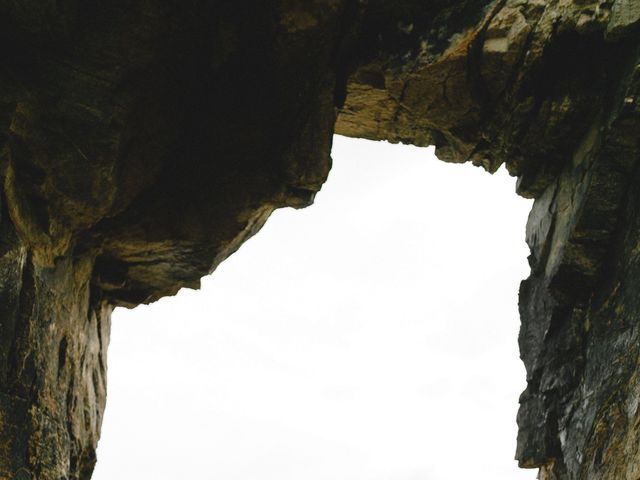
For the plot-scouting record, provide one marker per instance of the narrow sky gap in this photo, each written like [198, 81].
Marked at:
[372, 336]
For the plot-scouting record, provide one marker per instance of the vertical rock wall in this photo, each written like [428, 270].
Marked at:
[551, 90]
[578, 338]
[53, 341]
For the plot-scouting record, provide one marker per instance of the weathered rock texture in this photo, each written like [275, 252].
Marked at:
[142, 142]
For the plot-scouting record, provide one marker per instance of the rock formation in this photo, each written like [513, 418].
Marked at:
[143, 142]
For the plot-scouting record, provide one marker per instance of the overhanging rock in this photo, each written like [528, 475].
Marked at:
[143, 142]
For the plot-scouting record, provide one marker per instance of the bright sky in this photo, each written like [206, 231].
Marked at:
[372, 336]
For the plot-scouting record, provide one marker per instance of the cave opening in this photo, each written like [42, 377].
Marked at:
[371, 336]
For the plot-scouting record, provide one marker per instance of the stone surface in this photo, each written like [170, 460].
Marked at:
[142, 142]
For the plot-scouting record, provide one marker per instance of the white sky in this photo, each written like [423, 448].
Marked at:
[372, 336]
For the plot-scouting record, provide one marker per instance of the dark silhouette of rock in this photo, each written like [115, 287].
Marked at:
[143, 142]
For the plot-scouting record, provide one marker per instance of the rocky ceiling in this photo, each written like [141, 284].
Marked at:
[143, 141]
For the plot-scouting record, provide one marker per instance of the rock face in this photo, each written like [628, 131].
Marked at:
[143, 142]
